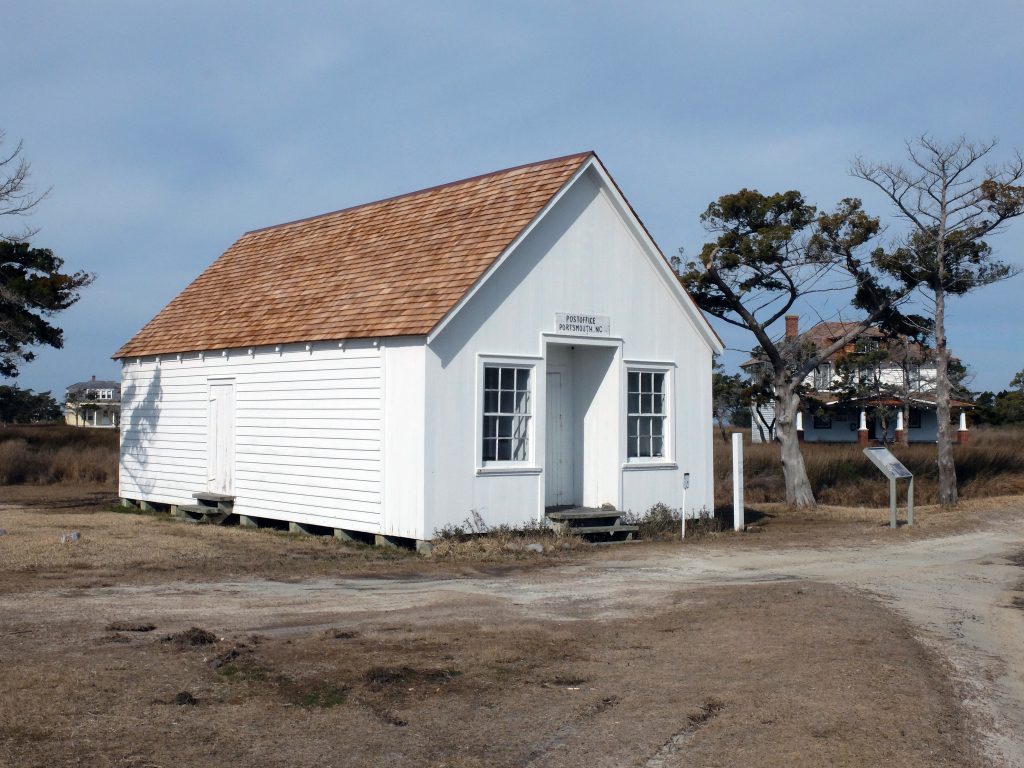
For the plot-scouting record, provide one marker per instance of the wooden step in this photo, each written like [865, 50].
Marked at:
[218, 497]
[214, 515]
[583, 514]
[586, 530]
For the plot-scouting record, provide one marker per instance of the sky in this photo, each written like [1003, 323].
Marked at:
[164, 131]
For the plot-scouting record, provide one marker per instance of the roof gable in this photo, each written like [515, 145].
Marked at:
[624, 209]
[395, 267]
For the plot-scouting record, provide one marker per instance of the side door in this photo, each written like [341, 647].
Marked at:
[220, 449]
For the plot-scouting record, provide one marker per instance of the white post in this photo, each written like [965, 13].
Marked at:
[737, 481]
[863, 420]
[686, 485]
[799, 421]
[899, 420]
[963, 421]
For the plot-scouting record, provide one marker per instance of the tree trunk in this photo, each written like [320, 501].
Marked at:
[947, 469]
[798, 485]
[762, 424]
[721, 424]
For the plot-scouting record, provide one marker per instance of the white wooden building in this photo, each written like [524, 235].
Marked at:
[906, 378]
[499, 346]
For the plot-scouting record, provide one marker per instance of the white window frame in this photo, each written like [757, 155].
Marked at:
[513, 466]
[667, 459]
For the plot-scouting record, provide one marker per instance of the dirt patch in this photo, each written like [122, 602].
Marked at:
[190, 638]
[383, 678]
[794, 674]
[130, 626]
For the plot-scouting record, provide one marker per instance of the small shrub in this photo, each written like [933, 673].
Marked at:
[661, 522]
[473, 539]
[658, 522]
[706, 522]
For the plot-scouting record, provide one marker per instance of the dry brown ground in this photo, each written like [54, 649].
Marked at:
[119, 546]
[122, 547]
[717, 677]
[790, 674]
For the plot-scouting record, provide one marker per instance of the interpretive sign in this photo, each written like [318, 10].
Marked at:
[893, 469]
[889, 464]
[583, 325]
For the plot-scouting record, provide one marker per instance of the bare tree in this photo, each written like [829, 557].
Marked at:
[16, 196]
[33, 286]
[952, 198]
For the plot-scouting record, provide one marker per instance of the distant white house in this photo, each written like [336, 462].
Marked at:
[906, 378]
[498, 346]
[93, 404]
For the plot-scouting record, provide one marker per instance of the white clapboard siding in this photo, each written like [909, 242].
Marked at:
[307, 431]
[766, 422]
[343, 442]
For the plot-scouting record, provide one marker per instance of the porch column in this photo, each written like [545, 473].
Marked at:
[862, 431]
[800, 426]
[901, 437]
[963, 436]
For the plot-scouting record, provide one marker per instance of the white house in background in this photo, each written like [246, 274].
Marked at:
[908, 377]
[499, 345]
[93, 404]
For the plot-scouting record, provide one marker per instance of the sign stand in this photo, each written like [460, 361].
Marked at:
[894, 470]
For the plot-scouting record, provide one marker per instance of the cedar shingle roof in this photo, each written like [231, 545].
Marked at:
[389, 268]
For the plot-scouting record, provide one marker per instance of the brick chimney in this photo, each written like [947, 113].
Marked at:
[792, 326]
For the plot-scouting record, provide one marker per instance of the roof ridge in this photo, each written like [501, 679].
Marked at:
[434, 188]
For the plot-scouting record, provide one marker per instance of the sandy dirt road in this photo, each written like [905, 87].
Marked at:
[957, 591]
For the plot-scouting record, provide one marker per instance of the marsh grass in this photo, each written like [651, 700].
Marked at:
[991, 465]
[58, 454]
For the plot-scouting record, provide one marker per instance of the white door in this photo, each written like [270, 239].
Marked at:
[558, 474]
[220, 449]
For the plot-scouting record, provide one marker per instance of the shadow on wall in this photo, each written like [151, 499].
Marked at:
[142, 403]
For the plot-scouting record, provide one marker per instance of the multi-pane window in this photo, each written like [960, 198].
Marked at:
[507, 410]
[645, 414]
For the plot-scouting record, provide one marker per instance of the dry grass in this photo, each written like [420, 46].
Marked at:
[991, 465]
[505, 544]
[48, 454]
[123, 545]
[795, 675]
